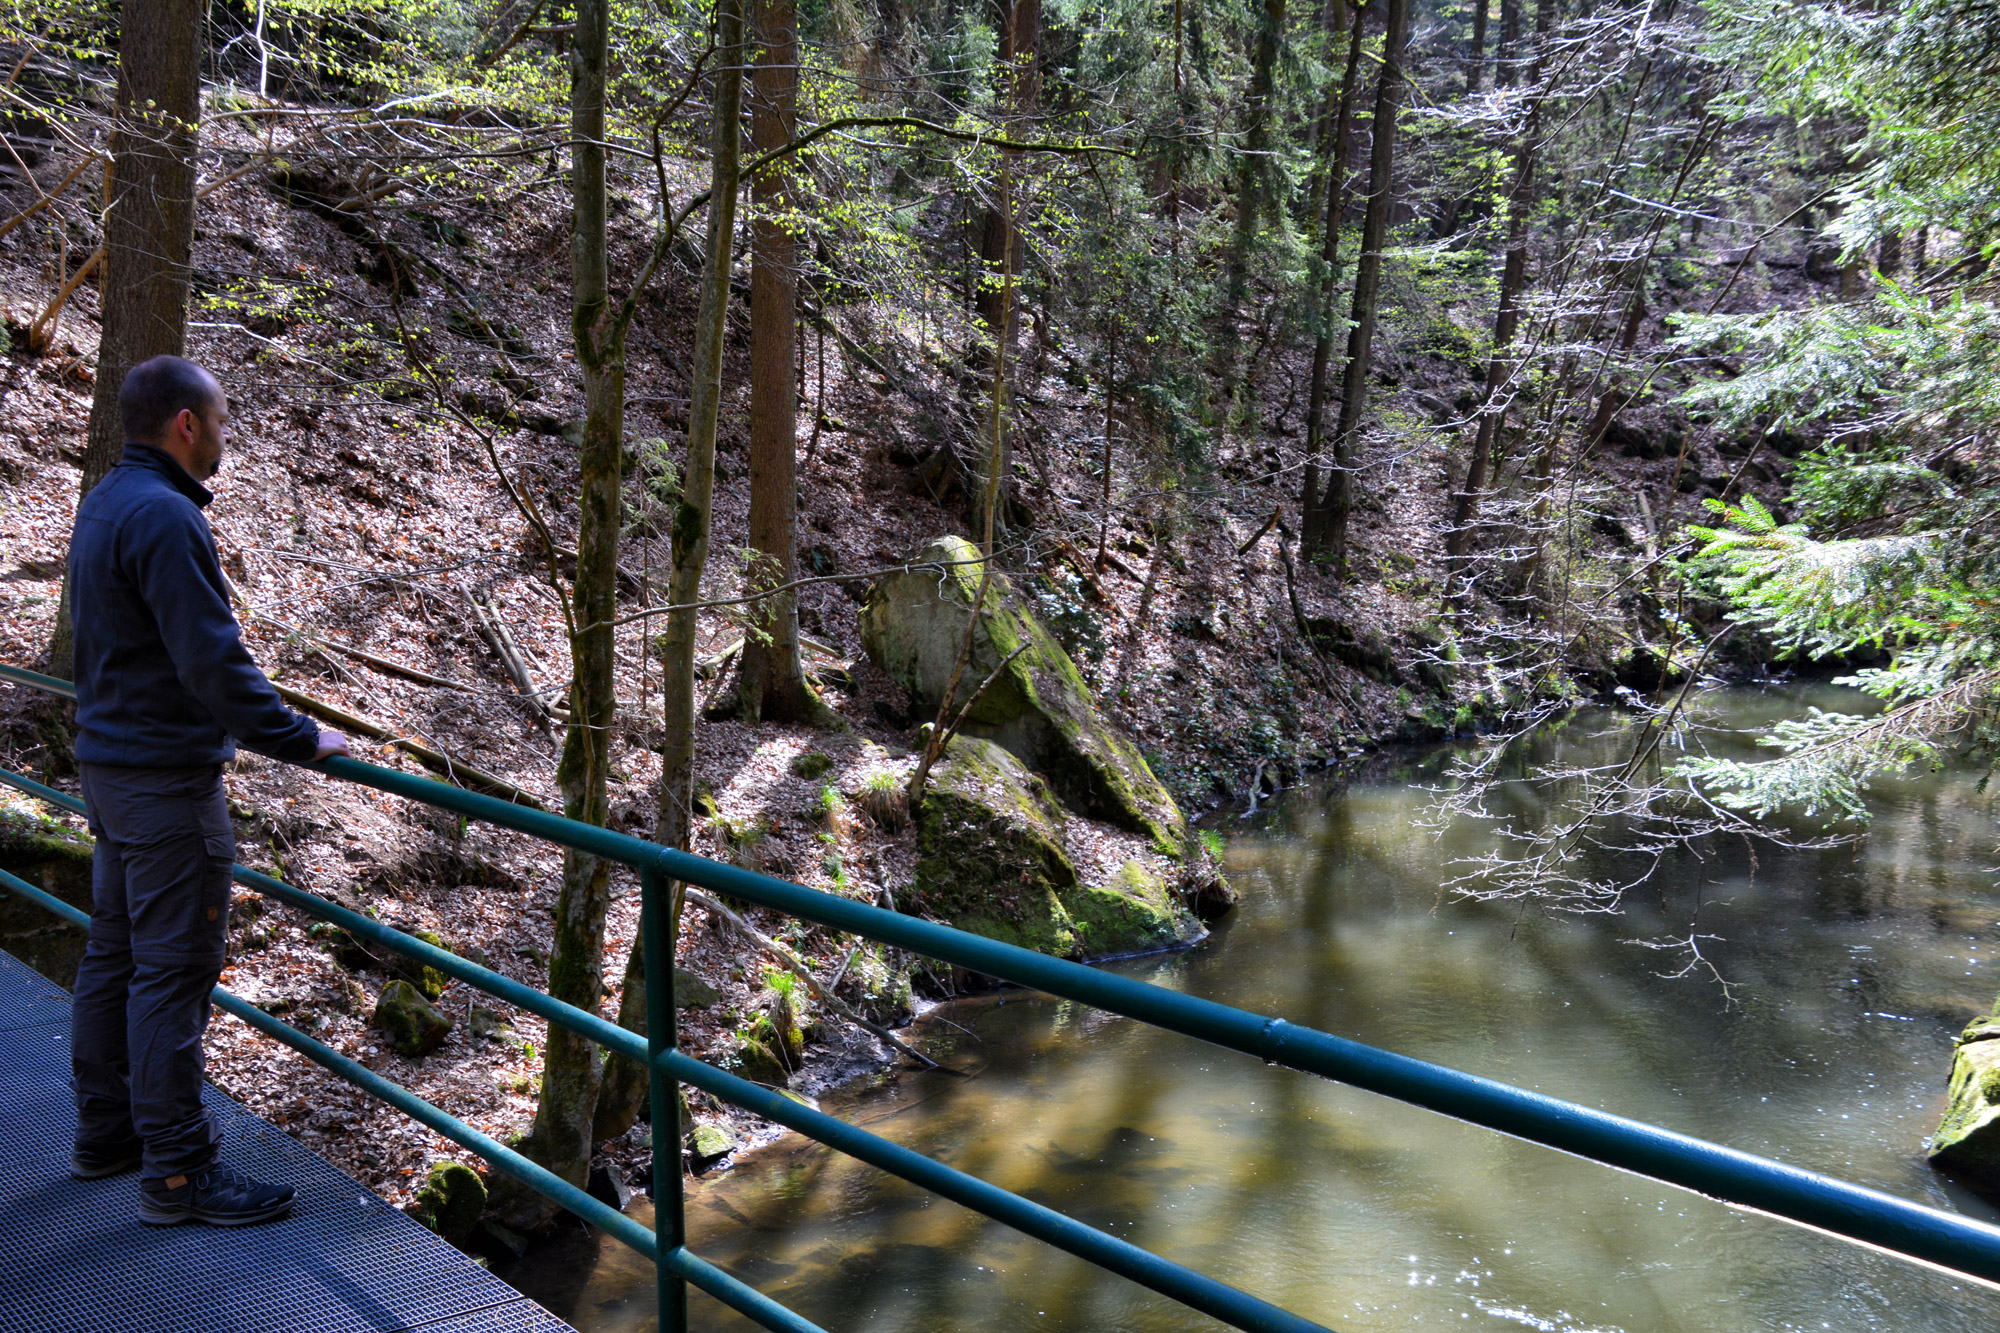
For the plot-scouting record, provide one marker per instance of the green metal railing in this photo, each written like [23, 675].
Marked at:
[1906, 1229]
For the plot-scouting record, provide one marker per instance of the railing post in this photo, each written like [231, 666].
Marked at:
[662, 1033]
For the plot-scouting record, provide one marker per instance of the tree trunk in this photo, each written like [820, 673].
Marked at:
[1019, 42]
[626, 1081]
[1110, 425]
[771, 682]
[1331, 530]
[1475, 67]
[1889, 259]
[148, 230]
[572, 1067]
[1329, 280]
[691, 522]
[1500, 366]
[1253, 174]
[1505, 72]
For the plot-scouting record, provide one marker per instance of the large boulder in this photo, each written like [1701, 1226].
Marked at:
[1040, 710]
[990, 855]
[1968, 1142]
[991, 860]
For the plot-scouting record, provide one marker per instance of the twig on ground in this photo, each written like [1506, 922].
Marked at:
[797, 966]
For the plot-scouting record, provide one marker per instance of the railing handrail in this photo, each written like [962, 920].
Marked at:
[1100, 1248]
[1908, 1229]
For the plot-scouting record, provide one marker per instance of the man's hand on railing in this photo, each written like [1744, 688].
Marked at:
[330, 743]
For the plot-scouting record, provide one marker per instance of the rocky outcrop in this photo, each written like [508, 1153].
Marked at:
[1968, 1142]
[990, 855]
[55, 861]
[991, 860]
[1136, 912]
[1039, 709]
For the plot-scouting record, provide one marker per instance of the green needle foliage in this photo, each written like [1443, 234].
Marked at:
[1893, 545]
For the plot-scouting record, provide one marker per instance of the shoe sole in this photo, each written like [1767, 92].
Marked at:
[154, 1216]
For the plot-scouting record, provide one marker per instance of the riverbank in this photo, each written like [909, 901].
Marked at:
[1852, 971]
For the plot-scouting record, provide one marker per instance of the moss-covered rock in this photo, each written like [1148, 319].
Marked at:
[347, 951]
[709, 1142]
[757, 1062]
[783, 1039]
[691, 992]
[990, 855]
[811, 764]
[1968, 1141]
[913, 626]
[991, 860]
[425, 978]
[451, 1201]
[52, 859]
[1135, 913]
[413, 1025]
[1203, 888]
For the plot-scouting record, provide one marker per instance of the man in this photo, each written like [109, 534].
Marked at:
[162, 684]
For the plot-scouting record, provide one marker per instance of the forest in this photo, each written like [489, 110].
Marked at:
[621, 387]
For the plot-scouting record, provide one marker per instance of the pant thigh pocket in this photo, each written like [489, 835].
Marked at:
[179, 895]
[218, 838]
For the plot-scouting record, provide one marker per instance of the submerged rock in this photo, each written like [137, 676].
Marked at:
[990, 860]
[1968, 1142]
[413, 1025]
[1039, 709]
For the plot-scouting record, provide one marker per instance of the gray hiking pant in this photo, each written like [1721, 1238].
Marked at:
[158, 923]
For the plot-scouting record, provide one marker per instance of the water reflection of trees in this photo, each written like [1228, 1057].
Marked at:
[1314, 1195]
[1577, 817]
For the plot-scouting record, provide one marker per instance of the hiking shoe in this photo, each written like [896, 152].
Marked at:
[219, 1196]
[94, 1161]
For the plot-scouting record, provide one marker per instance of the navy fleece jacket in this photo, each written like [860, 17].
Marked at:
[162, 677]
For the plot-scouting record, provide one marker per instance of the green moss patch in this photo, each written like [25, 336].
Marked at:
[1968, 1141]
[451, 1201]
[1135, 913]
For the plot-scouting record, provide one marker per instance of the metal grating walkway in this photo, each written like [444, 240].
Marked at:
[75, 1259]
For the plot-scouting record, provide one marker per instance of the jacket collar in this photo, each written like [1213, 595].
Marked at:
[159, 460]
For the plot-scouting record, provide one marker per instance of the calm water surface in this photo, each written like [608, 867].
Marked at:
[1852, 972]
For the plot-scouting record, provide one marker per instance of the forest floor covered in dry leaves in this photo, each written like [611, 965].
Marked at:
[359, 511]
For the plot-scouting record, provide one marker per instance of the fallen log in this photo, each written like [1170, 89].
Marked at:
[456, 770]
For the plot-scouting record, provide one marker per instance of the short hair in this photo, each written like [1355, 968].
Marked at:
[157, 390]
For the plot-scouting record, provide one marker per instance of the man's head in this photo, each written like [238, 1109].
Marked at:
[177, 407]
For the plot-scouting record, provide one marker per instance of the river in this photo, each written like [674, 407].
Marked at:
[1851, 969]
